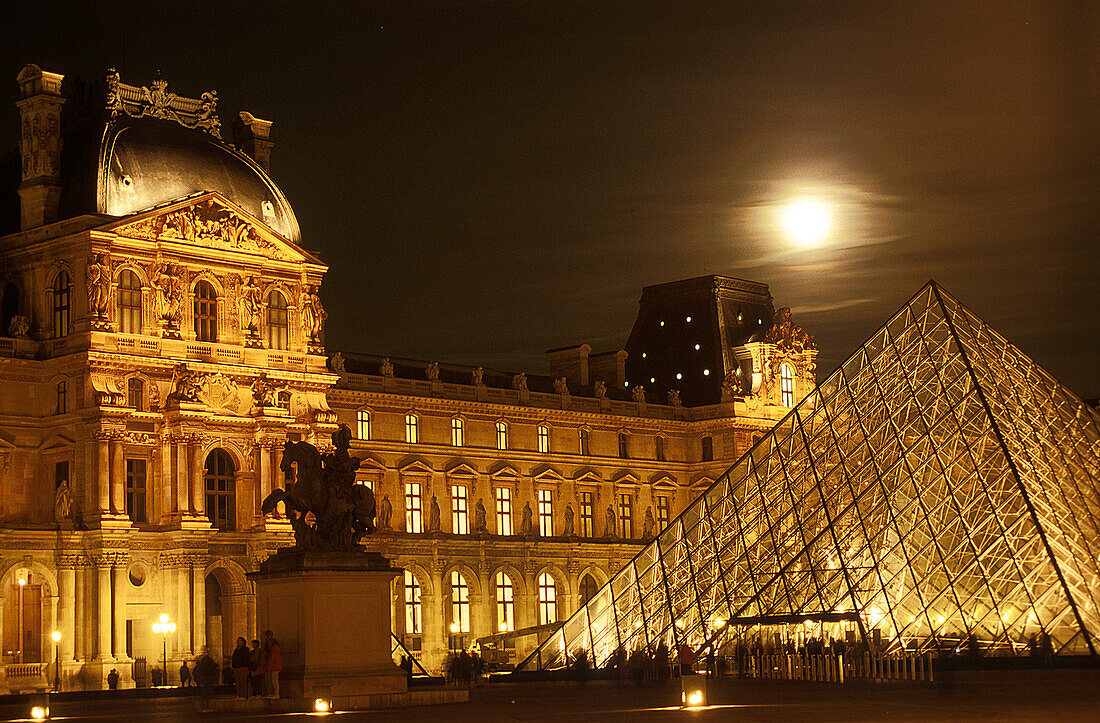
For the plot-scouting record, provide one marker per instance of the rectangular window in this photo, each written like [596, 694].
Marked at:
[544, 438]
[660, 446]
[458, 433]
[626, 515]
[413, 610]
[664, 511]
[708, 449]
[460, 602]
[546, 513]
[504, 511]
[584, 442]
[135, 391]
[61, 307]
[622, 445]
[502, 435]
[460, 519]
[413, 510]
[135, 490]
[362, 423]
[587, 505]
[62, 398]
[787, 377]
[412, 429]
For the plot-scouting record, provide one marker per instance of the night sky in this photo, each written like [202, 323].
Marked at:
[490, 180]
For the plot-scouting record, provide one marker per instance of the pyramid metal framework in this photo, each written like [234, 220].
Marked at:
[939, 488]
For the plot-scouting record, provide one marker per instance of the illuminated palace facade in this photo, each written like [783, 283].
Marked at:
[162, 336]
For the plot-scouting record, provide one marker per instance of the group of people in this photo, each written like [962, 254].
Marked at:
[252, 670]
[463, 668]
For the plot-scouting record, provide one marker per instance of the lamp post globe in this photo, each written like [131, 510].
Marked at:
[164, 627]
[56, 636]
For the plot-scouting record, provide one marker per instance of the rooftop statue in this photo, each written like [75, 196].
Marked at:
[342, 512]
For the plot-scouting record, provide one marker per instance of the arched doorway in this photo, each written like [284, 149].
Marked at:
[589, 586]
[23, 597]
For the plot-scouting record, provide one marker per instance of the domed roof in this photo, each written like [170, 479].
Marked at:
[147, 162]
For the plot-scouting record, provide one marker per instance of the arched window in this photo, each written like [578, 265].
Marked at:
[589, 586]
[506, 612]
[278, 326]
[362, 419]
[786, 377]
[9, 308]
[412, 428]
[413, 611]
[502, 435]
[221, 499]
[458, 432]
[129, 303]
[460, 602]
[544, 438]
[135, 394]
[61, 306]
[206, 312]
[548, 600]
[62, 398]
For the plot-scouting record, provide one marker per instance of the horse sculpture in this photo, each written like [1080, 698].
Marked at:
[327, 510]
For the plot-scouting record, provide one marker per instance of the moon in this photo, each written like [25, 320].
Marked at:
[807, 221]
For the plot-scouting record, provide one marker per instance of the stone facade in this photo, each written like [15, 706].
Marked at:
[152, 367]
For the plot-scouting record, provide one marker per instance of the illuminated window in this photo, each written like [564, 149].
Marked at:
[587, 506]
[278, 321]
[504, 511]
[502, 435]
[62, 398]
[460, 511]
[548, 600]
[546, 513]
[622, 445]
[664, 511]
[584, 435]
[505, 593]
[206, 312]
[460, 602]
[708, 449]
[458, 433]
[544, 438]
[786, 377]
[626, 515]
[413, 509]
[362, 423]
[412, 428]
[413, 610]
[60, 306]
[135, 489]
[135, 393]
[221, 497]
[659, 443]
[129, 303]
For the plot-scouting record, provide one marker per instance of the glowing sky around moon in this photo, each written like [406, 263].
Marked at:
[806, 221]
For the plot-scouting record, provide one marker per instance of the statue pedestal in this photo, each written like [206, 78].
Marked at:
[330, 612]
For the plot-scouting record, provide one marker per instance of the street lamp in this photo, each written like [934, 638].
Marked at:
[56, 635]
[164, 627]
[22, 634]
[454, 632]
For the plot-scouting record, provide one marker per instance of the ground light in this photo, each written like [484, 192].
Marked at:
[693, 691]
[40, 712]
[321, 705]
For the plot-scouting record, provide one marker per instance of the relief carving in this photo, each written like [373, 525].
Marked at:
[156, 101]
[787, 336]
[98, 280]
[313, 316]
[207, 223]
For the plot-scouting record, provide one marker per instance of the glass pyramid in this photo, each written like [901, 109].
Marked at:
[938, 490]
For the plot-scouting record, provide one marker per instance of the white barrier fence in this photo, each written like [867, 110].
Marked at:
[839, 668]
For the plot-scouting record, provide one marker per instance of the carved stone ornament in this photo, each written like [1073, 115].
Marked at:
[40, 146]
[98, 280]
[431, 372]
[265, 393]
[561, 386]
[169, 298]
[519, 382]
[386, 368]
[19, 326]
[207, 223]
[337, 363]
[313, 316]
[477, 376]
[674, 398]
[600, 390]
[638, 393]
[186, 385]
[787, 336]
[156, 101]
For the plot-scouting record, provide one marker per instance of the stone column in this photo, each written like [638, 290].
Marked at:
[198, 599]
[166, 498]
[264, 478]
[66, 585]
[198, 491]
[183, 610]
[118, 477]
[103, 481]
[103, 610]
[120, 599]
[181, 480]
[80, 613]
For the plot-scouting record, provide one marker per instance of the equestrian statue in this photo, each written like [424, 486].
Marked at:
[328, 511]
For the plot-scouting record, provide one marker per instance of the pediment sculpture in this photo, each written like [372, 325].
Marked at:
[206, 223]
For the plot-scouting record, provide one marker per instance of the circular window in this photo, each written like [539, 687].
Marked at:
[137, 576]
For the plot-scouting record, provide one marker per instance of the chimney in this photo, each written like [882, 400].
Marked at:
[39, 107]
[253, 136]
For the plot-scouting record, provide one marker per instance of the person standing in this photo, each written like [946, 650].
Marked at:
[112, 679]
[206, 675]
[255, 673]
[240, 660]
[273, 663]
[185, 675]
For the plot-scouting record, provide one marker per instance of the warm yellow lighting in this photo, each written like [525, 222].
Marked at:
[692, 698]
[22, 581]
[320, 706]
[40, 712]
[680, 624]
[56, 635]
[718, 622]
[504, 627]
[164, 617]
[807, 221]
[454, 628]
